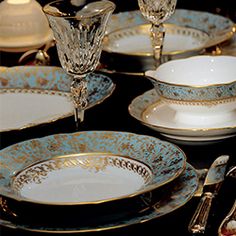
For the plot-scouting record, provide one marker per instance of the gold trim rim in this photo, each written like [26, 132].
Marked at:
[196, 102]
[111, 7]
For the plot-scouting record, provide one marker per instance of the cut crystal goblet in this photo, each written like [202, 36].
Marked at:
[157, 11]
[79, 27]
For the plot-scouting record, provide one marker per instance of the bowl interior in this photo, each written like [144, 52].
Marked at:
[197, 71]
[82, 178]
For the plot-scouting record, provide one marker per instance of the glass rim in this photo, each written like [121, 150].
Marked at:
[110, 7]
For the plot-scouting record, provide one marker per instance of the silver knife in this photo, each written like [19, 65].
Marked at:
[212, 184]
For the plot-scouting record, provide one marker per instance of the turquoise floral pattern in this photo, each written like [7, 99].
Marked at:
[218, 28]
[187, 93]
[165, 160]
[53, 78]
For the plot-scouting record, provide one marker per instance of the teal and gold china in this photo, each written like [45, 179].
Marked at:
[171, 197]
[152, 112]
[218, 29]
[165, 162]
[201, 89]
[40, 94]
[85, 178]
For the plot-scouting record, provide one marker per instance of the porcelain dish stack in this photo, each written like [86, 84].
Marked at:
[92, 180]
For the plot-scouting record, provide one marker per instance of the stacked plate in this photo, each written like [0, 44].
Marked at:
[89, 181]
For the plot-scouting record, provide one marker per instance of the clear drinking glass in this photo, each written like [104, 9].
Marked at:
[79, 27]
[157, 11]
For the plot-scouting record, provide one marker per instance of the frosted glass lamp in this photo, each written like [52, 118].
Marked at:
[23, 26]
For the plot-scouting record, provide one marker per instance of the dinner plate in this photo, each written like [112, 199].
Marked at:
[130, 48]
[136, 41]
[165, 160]
[174, 196]
[152, 112]
[25, 167]
[218, 29]
[33, 95]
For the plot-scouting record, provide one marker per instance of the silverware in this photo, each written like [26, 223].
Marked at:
[232, 172]
[212, 184]
[228, 225]
[201, 176]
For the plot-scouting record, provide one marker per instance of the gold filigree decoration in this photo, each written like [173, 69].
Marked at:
[38, 172]
[200, 103]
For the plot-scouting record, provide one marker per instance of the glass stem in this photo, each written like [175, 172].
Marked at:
[157, 37]
[80, 97]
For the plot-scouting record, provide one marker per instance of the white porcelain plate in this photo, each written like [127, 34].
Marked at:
[136, 40]
[33, 95]
[152, 112]
[82, 178]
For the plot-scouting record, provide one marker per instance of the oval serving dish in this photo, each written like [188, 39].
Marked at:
[39, 95]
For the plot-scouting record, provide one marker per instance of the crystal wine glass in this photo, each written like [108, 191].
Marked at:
[79, 27]
[157, 11]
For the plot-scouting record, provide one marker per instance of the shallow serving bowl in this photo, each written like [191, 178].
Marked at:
[92, 176]
[200, 89]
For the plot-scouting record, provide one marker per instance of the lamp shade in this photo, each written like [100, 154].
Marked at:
[23, 26]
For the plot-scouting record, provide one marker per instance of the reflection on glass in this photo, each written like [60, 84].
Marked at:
[79, 27]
